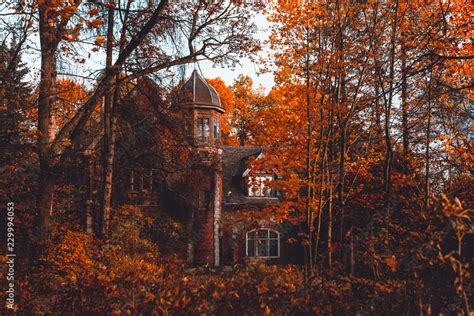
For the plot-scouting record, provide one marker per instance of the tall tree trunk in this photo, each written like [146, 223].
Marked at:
[330, 209]
[427, 144]
[330, 186]
[47, 175]
[108, 139]
[320, 206]
[309, 206]
[388, 109]
[324, 145]
[405, 132]
[377, 115]
[89, 215]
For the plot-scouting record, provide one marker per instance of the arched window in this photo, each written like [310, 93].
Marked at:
[263, 243]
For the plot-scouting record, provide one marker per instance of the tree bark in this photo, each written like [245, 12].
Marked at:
[388, 109]
[405, 132]
[108, 139]
[309, 207]
[427, 149]
[47, 176]
[330, 184]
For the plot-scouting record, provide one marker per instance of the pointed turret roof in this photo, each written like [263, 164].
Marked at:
[197, 92]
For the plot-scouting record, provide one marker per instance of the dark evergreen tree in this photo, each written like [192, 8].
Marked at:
[15, 95]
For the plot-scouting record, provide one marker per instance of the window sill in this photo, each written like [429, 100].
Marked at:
[262, 197]
[262, 258]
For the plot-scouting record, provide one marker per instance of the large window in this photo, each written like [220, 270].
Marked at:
[217, 131]
[203, 129]
[263, 243]
[260, 186]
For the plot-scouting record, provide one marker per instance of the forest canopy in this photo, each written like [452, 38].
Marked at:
[358, 160]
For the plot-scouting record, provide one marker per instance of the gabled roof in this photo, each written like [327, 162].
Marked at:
[235, 161]
[196, 91]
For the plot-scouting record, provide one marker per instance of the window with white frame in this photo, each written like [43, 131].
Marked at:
[263, 243]
[260, 186]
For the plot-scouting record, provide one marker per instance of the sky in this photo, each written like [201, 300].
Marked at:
[95, 62]
[247, 67]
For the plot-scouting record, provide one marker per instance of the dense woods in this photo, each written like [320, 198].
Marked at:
[368, 130]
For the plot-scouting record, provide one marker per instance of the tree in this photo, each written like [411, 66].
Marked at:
[246, 105]
[227, 101]
[15, 94]
[349, 62]
[61, 23]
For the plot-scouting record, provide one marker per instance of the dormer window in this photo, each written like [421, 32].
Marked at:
[259, 186]
[203, 129]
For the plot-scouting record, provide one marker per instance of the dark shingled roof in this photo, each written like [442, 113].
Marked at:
[233, 195]
[198, 92]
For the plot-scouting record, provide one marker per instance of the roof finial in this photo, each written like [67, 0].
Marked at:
[200, 70]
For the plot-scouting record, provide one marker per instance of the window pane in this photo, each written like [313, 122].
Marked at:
[252, 235]
[207, 131]
[263, 233]
[273, 234]
[274, 248]
[251, 247]
[200, 128]
[268, 191]
[203, 129]
[217, 132]
[262, 248]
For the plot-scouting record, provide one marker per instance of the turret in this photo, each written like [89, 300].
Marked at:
[204, 103]
[202, 110]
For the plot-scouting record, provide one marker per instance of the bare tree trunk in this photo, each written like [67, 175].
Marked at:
[108, 139]
[405, 132]
[324, 145]
[377, 111]
[88, 220]
[47, 175]
[427, 144]
[320, 208]
[388, 108]
[330, 186]
[330, 217]
[309, 207]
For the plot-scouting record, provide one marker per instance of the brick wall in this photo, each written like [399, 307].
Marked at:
[204, 232]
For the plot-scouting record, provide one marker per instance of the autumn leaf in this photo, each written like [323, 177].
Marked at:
[262, 288]
[97, 22]
[392, 263]
[215, 295]
[267, 310]
[99, 40]
[93, 11]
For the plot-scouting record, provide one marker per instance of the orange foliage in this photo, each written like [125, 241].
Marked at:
[227, 101]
